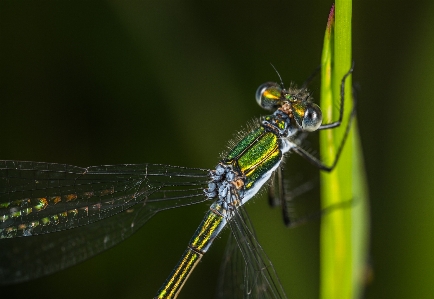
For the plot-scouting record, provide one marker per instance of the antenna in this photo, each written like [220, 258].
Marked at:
[281, 81]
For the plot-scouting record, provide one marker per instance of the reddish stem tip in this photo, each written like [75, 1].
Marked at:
[331, 19]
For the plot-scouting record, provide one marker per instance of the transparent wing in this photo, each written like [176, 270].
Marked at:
[53, 216]
[260, 279]
[232, 269]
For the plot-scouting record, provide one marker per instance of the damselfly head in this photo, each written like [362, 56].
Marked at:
[294, 102]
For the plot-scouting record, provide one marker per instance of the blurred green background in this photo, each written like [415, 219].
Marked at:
[88, 83]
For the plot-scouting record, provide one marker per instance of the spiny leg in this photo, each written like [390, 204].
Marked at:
[286, 205]
[272, 199]
[314, 160]
[337, 123]
[287, 199]
[277, 195]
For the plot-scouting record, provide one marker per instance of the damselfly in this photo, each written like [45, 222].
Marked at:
[53, 216]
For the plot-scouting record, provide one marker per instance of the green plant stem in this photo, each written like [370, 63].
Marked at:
[344, 229]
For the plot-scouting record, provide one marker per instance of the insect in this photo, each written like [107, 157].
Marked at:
[53, 216]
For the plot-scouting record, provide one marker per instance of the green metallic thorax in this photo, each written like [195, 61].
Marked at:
[254, 155]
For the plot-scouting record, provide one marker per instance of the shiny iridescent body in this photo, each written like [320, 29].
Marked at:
[245, 169]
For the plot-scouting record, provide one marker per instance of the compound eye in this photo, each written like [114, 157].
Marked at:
[269, 96]
[312, 118]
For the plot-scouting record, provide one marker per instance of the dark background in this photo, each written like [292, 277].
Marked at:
[170, 82]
